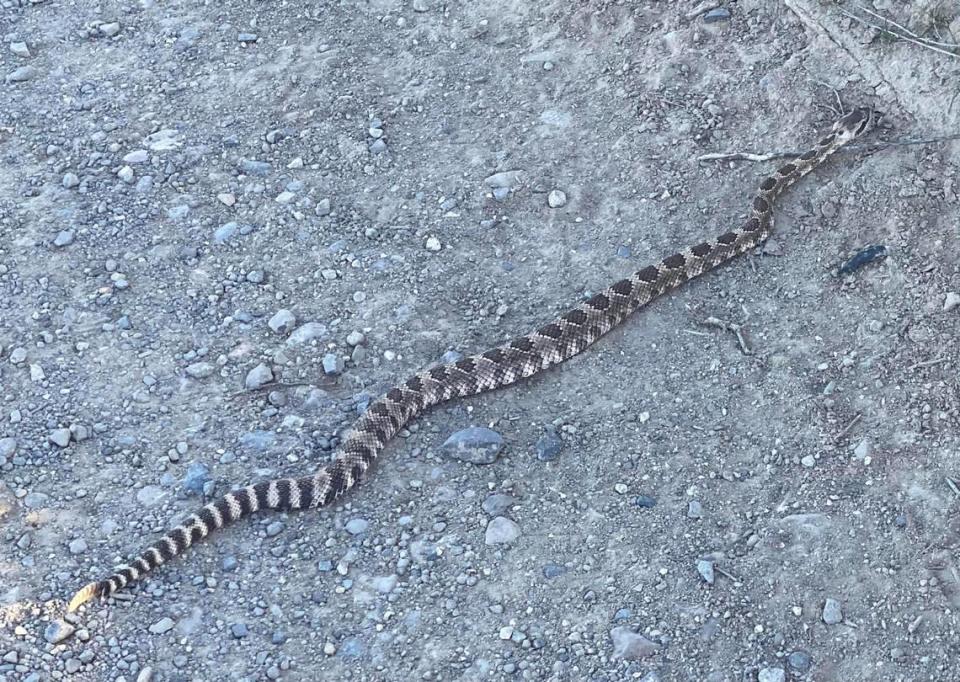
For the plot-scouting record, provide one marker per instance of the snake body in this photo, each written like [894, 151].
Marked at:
[522, 357]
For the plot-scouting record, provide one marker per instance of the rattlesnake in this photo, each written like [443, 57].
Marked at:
[526, 355]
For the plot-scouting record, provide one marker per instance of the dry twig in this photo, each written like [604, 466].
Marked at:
[922, 42]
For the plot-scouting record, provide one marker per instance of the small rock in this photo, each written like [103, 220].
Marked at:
[322, 208]
[149, 495]
[800, 661]
[200, 370]
[162, 626]
[225, 232]
[126, 174]
[282, 321]
[36, 373]
[357, 526]
[247, 37]
[497, 504]
[63, 238]
[78, 546]
[355, 338]
[8, 446]
[70, 180]
[433, 244]
[274, 529]
[808, 461]
[22, 74]
[504, 179]
[378, 146]
[951, 302]
[196, 479]
[137, 156]
[333, 364]
[716, 14]
[556, 199]
[771, 675]
[20, 49]
[18, 355]
[306, 333]
[645, 501]
[705, 569]
[863, 449]
[501, 531]
[110, 29]
[57, 631]
[60, 437]
[476, 445]
[385, 584]
[694, 510]
[261, 375]
[548, 446]
[832, 613]
[631, 646]
[239, 630]
[230, 563]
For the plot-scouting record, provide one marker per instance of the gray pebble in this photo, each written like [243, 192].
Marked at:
[716, 14]
[771, 675]
[57, 631]
[505, 179]
[239, 630]
[225, 231]
[355, 338]
[548, 446]
[8, 446]
[110, 29]
[126, 175]
[162, 626]
[149, 495]
[694, 510]
[631, 646]
[551, 571]
[197, 478]
[22, 74]
[60, 437]
[477, 445]
[20, 49]
[70, 180]
[322, 208]
[200, 370]
[63, 238]
[282, 321]
[357, 526]
[497, 504]
[137, 156]
[230, 563]
[306, 333]
[275, 528]
[832, 613]
[556, 199]
[256, 277]
[705, 569]
[247, 37]
[332, 364]
[261, 375]
[18, 355]
[800, 661]
[501, 530]
[78, 546]
[258, 168]
[385, 584]
[378, 146]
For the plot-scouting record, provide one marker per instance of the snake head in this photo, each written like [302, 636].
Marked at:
[856, 123]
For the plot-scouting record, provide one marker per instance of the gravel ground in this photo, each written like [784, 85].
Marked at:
[225, 226]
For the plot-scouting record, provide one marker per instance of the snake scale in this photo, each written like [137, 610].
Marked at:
[525, 356]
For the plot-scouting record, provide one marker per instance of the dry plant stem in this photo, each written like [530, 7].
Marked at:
[906, 30]
[848, 427]
[921, 42]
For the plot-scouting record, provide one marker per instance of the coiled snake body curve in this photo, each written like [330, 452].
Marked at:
[525, 356]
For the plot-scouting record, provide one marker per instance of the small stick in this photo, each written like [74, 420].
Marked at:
[723, 572]
[907, 30]
[921, 42]
[853, 422]
[927, 363]
[953, 486]
[730, 327]
[271, 386]
[749, 156]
